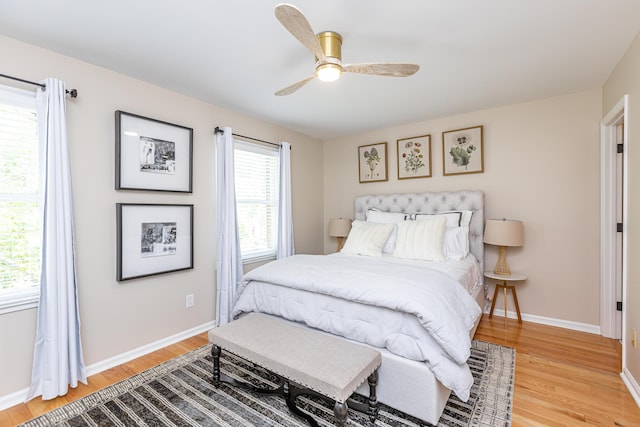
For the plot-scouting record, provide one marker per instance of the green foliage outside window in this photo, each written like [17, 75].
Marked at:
[20, 234]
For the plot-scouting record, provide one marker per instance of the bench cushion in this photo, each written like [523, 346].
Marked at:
[323, 363]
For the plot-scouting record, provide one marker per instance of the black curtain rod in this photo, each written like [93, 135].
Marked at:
[219, 130]
[73, 92]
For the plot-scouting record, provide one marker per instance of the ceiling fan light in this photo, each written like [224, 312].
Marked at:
[328, 72]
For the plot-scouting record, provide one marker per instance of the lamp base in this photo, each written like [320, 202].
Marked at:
[340, 243]
[502, 268]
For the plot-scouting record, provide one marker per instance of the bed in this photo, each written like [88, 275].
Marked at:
[425, 339]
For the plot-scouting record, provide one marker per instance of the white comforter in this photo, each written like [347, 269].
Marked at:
[413, 311]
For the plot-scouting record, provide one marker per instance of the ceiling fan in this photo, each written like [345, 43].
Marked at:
[327, 48]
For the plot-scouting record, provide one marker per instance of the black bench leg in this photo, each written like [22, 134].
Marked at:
[215, 352]
[341, 410]
[373, 399]
[219, 377]
[290, 395]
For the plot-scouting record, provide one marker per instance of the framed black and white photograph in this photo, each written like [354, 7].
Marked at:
[462, 151]
[414, 157]
[152, 154]
[153, 239]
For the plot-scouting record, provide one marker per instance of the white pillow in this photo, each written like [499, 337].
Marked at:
[377, 216]
[456, 243]
[454, 218]
[466, 218]
[456, 238]
[421, 240]
[366, 238]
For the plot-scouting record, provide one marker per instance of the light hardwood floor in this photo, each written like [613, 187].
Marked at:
[563, 377]
[25, 411]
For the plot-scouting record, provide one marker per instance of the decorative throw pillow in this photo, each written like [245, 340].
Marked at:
[366, 238]
[377, 216]
[456, 238]
[422, 240]
[453, 218]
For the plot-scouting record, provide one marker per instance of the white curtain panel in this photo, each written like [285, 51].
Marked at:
[285, 217]
[58, 361]
[229, 261]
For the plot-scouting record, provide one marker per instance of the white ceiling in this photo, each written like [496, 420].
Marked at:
[473, 54]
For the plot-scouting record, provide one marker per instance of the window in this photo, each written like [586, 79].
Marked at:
[20, 218]
[257, 170]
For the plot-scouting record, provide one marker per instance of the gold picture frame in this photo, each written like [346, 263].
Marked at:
[414, 157]
[372, 162]
[463, 151]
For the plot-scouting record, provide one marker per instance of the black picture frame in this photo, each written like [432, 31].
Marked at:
[153, 239]
[152, 155]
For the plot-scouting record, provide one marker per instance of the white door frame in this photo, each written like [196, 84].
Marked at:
[608, 261]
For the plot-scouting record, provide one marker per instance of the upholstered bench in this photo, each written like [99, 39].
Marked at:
[308, 363]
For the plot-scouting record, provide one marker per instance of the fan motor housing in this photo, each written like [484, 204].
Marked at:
[331, 44]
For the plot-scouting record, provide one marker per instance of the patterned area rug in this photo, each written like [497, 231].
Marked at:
[179, 393]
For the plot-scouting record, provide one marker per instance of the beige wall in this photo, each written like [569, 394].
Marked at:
[541, 163]
[120, 317]
[625, 79]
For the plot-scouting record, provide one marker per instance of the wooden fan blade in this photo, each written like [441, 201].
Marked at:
[389, 69]
[294, 87]
[297, 24]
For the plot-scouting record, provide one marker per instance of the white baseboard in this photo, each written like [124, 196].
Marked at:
[13, 399]
[146, 349]
[20, 395]
[567, 324]
[631, 384]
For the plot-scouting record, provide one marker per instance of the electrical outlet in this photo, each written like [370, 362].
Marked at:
[634, 341]
[190, 300]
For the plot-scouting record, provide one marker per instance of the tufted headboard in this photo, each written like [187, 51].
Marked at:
[432, 203]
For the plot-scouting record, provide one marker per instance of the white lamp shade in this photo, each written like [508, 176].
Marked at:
[504, 232]
[339, 227]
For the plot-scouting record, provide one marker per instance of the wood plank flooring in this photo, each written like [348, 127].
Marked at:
[563, 377]
[25, 411]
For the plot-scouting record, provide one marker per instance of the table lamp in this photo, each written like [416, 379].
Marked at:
[503, 233]
[339, 227]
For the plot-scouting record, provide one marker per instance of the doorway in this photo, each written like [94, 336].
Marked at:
[612, 229]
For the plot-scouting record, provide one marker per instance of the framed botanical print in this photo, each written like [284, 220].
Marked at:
[462, 151]
[372, 162]
[414, 157]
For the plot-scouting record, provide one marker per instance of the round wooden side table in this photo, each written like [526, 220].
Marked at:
[505, 279]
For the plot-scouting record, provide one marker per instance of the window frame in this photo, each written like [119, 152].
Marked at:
[271, 253]
[21, 299]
